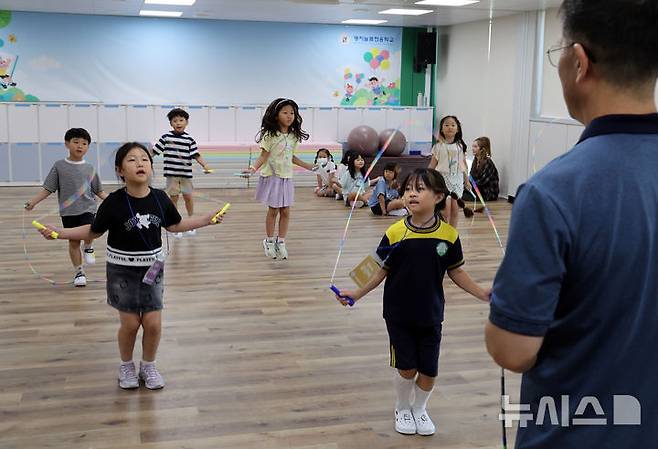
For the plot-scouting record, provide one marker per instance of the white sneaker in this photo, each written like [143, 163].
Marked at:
[281, 251]
[191, 232]
[128, 379]
[358, 204]
[80, 280]
[404, 422]
[89, 255]
[424, 425]
[339, 197]
[151, 377]
[398, 212]
[178, 235]
[270, 249]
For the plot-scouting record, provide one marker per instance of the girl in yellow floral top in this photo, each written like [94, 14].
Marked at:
[280, 133]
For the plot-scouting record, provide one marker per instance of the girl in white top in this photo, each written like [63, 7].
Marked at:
[354, 180]
[449, 159]
[326, 172]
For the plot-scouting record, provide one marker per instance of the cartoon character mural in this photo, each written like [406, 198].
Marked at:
[372, 90]
[7, 64]
[377, 89]
[349, 91]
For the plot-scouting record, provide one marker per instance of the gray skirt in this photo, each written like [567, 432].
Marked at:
[127, 293]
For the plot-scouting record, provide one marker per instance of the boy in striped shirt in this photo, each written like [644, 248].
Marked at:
[179, 148]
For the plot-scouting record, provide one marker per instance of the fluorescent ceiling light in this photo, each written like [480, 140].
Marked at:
[406, 12]
[363, 22]
[146, 12]
[170, 2]
[447, 2]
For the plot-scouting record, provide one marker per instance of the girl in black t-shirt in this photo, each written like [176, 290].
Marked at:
[134, 216]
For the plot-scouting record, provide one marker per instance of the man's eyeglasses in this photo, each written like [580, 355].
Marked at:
[554, 55]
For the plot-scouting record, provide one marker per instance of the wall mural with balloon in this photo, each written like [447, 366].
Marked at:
[372, 75]
[134, 60]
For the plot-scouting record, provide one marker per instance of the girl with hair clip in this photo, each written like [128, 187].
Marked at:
[449, 159]
[484, 171]
[326, 172]
[416, 253]
[279, 135]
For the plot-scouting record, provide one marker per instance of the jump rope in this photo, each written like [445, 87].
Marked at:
[492, 222]
[341, 246]
[84, 188]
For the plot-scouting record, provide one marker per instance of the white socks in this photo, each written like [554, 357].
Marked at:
[420, 402]
[403, 388]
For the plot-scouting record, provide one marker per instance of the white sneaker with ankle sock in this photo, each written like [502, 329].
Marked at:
[404, 420]
[424, 425]
[80, 280]
[128, 379]
[150, 375]
[270, 248]
[89, 254]
[281, 251]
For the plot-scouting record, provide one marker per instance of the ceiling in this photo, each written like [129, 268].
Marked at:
[300, 11]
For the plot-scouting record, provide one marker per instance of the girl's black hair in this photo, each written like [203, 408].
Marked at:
[352, 168]
[123, 151]
[270, 124]
[317, 153]
[459, 140]
[349, 154]
[392, 166]
[432, 180]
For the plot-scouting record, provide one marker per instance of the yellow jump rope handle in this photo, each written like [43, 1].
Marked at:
[39, 226]
[221, 212]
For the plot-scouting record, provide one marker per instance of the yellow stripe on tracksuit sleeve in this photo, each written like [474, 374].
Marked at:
[392, 356]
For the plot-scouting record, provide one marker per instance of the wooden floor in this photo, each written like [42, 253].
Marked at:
[256, 353]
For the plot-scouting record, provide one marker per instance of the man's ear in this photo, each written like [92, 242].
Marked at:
[583, 63]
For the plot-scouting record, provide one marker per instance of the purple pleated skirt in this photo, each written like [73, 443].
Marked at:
[275, 192]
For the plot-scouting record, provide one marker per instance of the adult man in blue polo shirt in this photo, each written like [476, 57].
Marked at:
[575, 302]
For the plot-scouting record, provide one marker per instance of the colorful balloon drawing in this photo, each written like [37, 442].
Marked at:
[377, 59]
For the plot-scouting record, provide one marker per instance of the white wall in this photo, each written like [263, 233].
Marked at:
[499, 95]
[480, 89]
[31, 134]
[552, 102]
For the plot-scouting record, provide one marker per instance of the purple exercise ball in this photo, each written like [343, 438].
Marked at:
[363, 139]
[397, 145]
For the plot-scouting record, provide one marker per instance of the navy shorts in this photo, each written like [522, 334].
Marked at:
[127, 293]
[414, 347]
[73, 221]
